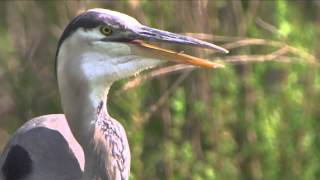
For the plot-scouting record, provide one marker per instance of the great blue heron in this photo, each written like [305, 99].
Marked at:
[97, 48]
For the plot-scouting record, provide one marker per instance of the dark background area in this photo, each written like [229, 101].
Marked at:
[257, 118]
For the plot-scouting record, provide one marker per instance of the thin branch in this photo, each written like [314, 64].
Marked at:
[155, 73]
[240, 42]
[251, 41]
[164, 97]
[267, 26]
[257, 58]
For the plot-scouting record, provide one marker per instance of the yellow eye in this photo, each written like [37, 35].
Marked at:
[106, 30]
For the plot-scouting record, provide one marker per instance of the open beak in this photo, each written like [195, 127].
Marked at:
[144, 33]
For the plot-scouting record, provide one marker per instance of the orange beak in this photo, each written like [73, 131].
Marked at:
[155, 51]
[143, 33]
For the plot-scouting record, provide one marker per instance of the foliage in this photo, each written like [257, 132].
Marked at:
[250, 120]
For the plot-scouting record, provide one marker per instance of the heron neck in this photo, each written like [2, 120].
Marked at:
[107, 154]
[103, 139]
[82, 102]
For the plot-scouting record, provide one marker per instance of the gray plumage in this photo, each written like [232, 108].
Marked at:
[51, 147]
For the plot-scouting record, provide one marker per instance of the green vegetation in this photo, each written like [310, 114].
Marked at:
[257, 118]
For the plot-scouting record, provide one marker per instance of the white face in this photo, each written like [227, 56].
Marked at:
[85, 57]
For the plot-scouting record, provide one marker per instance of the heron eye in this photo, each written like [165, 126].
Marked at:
[106, 30]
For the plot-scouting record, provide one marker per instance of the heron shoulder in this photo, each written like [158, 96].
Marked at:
[39, 148]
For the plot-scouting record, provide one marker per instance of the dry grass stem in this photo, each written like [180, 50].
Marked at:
[154, 73]
[164, 97]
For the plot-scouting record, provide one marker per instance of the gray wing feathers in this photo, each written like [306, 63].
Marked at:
[49, 143]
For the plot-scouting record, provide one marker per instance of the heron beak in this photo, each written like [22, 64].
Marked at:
[145, 33]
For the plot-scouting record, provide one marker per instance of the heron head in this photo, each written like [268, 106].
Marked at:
[105, 44]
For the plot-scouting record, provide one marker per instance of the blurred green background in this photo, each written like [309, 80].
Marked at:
[258, 118]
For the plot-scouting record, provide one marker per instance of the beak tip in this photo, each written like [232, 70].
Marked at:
[224, 50]
[219, 66]
[218, 48]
